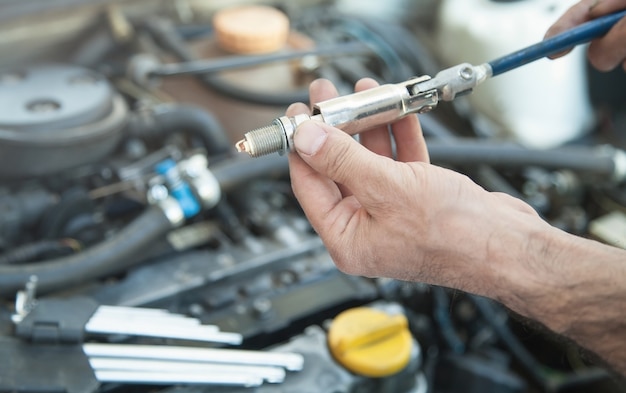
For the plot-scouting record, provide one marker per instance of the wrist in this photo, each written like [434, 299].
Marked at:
[572, 285]
[522, 262]
[537, 287]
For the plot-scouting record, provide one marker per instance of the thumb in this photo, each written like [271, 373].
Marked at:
[334, 154]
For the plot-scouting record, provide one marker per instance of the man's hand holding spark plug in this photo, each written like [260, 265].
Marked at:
[410, 220]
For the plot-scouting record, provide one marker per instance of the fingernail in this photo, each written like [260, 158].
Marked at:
[309, 138]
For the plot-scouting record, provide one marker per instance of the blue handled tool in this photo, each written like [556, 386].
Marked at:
[462, 78]
[385, 104]
[561, 42]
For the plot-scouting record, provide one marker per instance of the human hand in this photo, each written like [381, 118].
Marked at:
[404, 218]
[604, 53]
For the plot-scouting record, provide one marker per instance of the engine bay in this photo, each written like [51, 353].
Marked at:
[136, 243]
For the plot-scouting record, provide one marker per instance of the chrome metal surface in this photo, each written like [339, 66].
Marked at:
[290, 361]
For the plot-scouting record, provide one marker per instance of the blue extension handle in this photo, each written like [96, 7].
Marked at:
[566, 40]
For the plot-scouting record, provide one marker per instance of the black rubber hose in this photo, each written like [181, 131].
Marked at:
[165, 119]
[243, 169]
[431, 127]
[28, 252]
[211, 66]
[549, 380]
[579, 379]
[111, 256]
[441, 313]
[509, 155]
[491, 314]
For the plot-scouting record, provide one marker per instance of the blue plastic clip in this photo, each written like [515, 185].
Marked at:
[178, 188]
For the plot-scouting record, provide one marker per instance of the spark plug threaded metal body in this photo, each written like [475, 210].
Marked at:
[277, 137]
[262, 141]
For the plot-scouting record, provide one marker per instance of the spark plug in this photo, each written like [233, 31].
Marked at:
[367, 109]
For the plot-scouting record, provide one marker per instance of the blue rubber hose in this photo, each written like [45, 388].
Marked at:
[561, 42]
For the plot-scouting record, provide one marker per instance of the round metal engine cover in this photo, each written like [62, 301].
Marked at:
[55, 117]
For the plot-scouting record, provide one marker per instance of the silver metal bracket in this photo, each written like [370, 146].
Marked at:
[454, 81]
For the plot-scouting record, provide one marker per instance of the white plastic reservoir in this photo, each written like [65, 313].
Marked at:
[542, 104]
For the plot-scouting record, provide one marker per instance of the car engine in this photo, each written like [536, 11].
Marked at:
[139, 252]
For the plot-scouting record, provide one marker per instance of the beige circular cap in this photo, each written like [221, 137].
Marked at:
[251, 29]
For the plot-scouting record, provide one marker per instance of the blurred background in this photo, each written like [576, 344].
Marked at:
[120, 187]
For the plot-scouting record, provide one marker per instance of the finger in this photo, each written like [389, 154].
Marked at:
[574, 16]
[320, 197]
[604, 7]
[608, 52]
[322, 90]
[297, 109]
[314, 191]
[304, 179]
[298, 169]
[582, 12]
[335, 155]
[410, 143]
[577, 14]
[377, 139]
[319, 90]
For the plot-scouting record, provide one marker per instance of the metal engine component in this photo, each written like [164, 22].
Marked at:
[55, 117]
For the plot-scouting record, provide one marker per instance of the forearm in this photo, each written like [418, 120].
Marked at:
[574, 286]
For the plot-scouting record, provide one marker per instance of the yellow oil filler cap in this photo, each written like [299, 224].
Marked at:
[370, 342]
